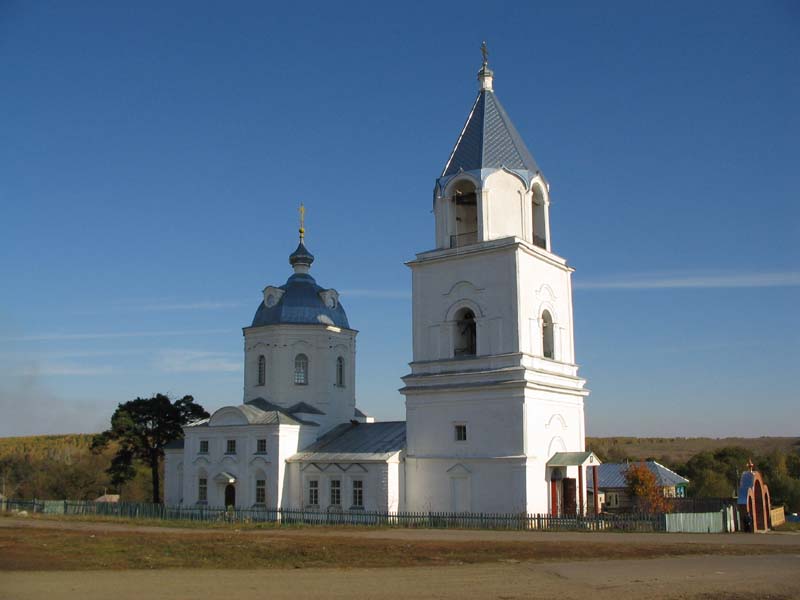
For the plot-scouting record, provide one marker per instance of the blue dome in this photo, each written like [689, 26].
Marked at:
[301, 303]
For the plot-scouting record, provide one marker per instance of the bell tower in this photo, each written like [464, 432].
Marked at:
[493, 391]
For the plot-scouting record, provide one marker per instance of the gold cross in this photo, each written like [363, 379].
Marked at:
[302, 211]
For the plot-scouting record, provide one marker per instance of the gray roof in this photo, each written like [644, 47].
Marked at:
[357, 442]
[612, 475]
[569, 459]
[359, 413]
[261, 412]
[304, 407]
[489, 140]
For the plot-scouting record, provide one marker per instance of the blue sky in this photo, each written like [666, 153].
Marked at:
[153, 156]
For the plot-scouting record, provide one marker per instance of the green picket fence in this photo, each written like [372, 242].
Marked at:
[429, 520]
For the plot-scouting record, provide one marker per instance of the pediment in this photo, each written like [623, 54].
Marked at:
[458, 469]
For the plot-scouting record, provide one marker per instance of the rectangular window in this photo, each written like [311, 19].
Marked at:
[336, 492]
[461, 433]
[230, 447]
[202, 490]
[261, 491]
[261, 446]
[358, 493]
[203, 446]
[313, 492]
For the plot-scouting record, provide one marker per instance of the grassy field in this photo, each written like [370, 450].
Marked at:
[61, 546]
[679, 450]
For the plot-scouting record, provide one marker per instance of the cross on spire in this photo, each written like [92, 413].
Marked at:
[302, 211]
[485, 53]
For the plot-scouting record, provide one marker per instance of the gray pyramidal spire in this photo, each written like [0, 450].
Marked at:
[489, 139]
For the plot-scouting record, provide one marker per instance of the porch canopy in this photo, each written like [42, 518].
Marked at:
[225, 477]
[580, 460]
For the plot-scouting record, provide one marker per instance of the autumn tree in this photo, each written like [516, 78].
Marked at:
[142, 428]
[644, 491]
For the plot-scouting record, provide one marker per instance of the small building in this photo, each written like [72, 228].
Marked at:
[754, 501]
[612, 487]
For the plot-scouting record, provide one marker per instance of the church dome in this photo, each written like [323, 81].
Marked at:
[300, 300]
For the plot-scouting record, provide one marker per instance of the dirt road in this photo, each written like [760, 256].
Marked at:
[705, 577]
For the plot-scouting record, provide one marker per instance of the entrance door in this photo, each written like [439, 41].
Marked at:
[570, 496]
[230, 495]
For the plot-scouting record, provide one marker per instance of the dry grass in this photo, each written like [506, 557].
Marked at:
[24, 548]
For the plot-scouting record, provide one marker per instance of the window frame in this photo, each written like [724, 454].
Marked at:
[301, 363]
[458, 428]
[202, 490]
[312, 486]
[230, 443]
[340, 378]
[337, 489]
[262, 371]
[357, 493]
[203, 443]
[261, 442]
[261, 490]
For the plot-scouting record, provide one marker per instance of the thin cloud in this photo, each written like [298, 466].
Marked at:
[52, 337]
[189, 306]
[56, 370]
[195, 361]
[689, 281]
[373, 293]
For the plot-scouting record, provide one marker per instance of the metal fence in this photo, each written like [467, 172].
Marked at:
[285, 516]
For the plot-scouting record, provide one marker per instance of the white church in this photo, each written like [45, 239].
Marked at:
[494, 402]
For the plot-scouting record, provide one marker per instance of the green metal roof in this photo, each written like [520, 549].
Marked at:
[572, 459]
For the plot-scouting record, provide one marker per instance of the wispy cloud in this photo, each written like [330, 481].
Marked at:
[375, 293]
[47, 369]
[188, 306]
[195, 361]
[693, 281]
[52, 337]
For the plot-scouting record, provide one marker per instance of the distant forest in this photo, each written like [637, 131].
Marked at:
[63, 466]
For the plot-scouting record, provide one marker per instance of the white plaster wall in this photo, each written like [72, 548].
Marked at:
[494, 485]
[545, 283]
[504, 211]
[480, 281]
[280, 344]
[380, 485]
[282, 441]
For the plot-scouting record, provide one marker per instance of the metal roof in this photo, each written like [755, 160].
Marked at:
[571, 459]
[612, 475]
[301, 303]
[304, 407]
[489, 140]
[357, 442]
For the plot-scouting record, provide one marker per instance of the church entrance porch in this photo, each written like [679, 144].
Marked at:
[567, 494]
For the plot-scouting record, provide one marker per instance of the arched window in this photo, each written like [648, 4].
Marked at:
[539, 225]
[340, 372]
[301, 369]
[464, 226]
[262, 370]
[548, 348]
[466, 341]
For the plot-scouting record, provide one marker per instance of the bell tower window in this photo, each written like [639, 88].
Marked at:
[539, 225]
[548, 348]
[262, 370]
[464, 227]
[465, 334]
[301, 369]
